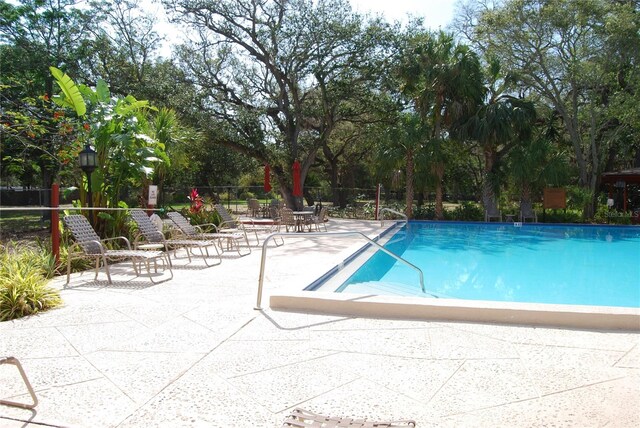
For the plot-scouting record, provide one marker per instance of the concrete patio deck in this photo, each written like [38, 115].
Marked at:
[192, 352]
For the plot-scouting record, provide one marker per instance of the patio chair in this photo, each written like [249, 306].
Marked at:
[276, 203]
[274, 214]
[149, 237]
[14, 362]
[189, 231]
[320, 219]
[287, 219]
[493, 213]
[303, 418]
[254, 208]
[527, 212]
[89, 245]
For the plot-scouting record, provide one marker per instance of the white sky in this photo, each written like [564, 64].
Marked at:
[436, 13]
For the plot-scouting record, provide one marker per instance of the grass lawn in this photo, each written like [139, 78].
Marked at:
[16, 222]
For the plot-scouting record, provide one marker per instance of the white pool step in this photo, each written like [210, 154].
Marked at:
[385, 288]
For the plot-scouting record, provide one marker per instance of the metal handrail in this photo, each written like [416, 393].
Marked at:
[321, 234]
[393, 212]
[71, 208]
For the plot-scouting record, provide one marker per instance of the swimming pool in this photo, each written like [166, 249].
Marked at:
[558, 264]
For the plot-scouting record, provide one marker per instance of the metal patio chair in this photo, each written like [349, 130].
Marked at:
[89, 245]
[287, 219]
[319, 220]
[253, 207]
[301, 418]
[149, 237]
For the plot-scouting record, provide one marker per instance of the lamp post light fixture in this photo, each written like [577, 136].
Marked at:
[88, 163]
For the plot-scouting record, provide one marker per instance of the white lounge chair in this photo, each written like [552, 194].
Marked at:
[227, 241]
[151, 237]
[89, 245]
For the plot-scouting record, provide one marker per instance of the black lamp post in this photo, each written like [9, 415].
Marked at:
[88, 163]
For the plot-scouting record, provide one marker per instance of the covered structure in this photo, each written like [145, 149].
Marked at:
[622, 181]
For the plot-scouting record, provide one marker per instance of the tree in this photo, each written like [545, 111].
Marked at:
[123, 47]
[444, 81]
[534, 164]
[34, 35]
[119, 130]
[272, 72]
[558, 49]
[498, 125]
[399, 147]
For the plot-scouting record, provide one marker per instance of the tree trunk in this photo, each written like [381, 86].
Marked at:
[439, 173]
[335, 186]
[489, 199]
[409, 184]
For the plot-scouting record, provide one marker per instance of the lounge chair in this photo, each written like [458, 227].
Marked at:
[303, 418]
[195, 232]
[89, 245]
[231, 224]
[527, 212]
[228, 221]
[14, 362]
[149, 237]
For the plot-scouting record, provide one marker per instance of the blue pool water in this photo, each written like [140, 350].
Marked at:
[577, 265]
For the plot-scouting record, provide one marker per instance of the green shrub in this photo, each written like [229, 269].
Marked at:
[424, 212]
[466, 211]
[561, 216]
[605, 215]
[204, 216]
[78, 264]
[23, 283]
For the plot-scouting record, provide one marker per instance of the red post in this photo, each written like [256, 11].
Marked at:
[377, 201]
[55, 222]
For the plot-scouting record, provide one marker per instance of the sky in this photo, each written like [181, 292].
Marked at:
[437, 14]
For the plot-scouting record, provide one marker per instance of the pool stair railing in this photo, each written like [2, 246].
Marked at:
[386, 288]
[389, 210]
[325, 235]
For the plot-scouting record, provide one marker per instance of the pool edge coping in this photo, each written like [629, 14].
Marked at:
[478, 311]
[312, 300]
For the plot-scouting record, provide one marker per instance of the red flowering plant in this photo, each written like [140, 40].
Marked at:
[196, 201]
[198, 214]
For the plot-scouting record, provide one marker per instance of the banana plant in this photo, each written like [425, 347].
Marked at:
[119, 129]
[72, 97]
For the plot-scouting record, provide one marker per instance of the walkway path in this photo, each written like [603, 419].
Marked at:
[193, 353]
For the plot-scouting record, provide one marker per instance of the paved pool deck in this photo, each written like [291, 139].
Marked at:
[193, 352]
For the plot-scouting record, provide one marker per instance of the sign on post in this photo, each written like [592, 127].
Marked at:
[554, 198]
[153, 195]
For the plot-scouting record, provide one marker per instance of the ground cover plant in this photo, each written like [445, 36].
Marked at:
[24, 277]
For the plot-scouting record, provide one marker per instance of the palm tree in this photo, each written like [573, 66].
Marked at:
[400, 146]
[498, 125]
[535, 162]
[444, 80]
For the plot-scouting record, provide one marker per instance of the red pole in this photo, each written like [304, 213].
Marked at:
[55, 222]
[377, 201]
